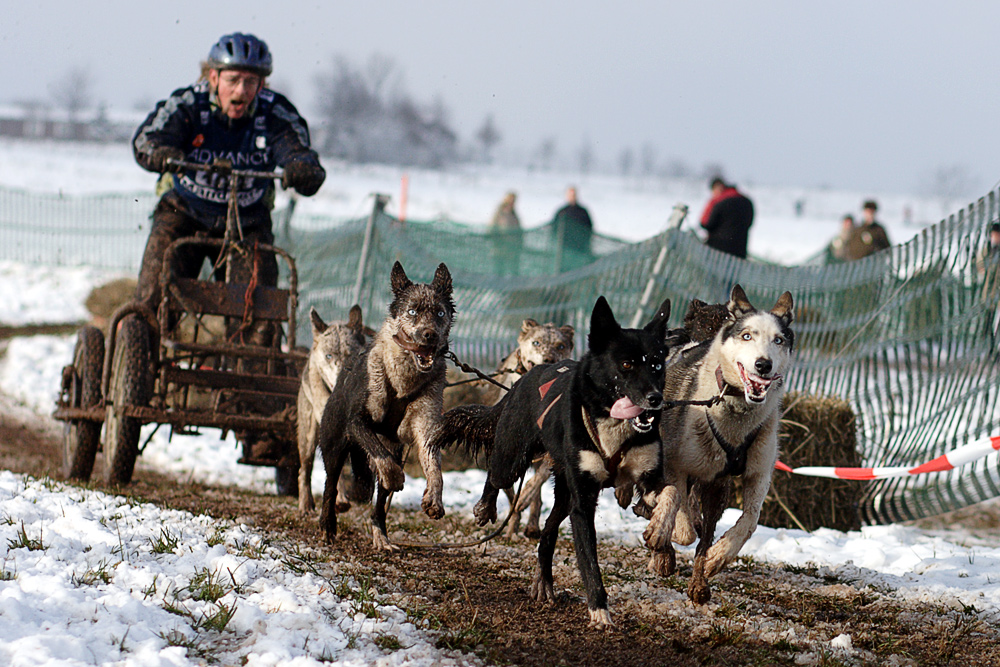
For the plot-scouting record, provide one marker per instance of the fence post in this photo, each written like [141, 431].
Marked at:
[676, 220]
[377, 208]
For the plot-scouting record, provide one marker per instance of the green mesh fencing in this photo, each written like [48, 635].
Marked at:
[909, 337]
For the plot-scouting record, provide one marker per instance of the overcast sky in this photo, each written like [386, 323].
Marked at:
[864, 95]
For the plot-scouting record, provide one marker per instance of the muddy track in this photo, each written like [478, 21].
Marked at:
[477, 599]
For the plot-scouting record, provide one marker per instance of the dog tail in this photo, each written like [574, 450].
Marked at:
[471, 425]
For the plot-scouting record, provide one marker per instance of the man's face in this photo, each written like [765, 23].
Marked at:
[869, 214]
[235, 90]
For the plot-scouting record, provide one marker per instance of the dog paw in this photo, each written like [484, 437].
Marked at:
[642, 509]
[698, 590]
[510, 532]
[663, 563]
[600, 619]
[656, 538]
[433, 507]
[390, 475]
[624, 494]
[542, 589]
[380, 541]
[485, 513]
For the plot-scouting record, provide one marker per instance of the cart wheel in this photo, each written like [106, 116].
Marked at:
[80, 436]
[129, 386]
[287, 481]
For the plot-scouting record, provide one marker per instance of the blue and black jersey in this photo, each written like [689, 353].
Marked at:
[271, 135]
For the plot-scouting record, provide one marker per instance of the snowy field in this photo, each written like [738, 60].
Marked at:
[89, 578]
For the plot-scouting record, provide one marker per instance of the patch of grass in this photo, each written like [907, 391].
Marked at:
[166, 543]
[217, 538]
[22, 541]
[207, 586]
[388, 642]
[726, 634]
[103, 572]
[218, 620]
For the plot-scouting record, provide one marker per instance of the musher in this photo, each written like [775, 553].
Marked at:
[228, 115]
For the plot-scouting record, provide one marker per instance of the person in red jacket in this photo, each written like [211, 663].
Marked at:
[727, 219]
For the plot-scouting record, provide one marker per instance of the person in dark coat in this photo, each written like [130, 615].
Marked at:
[229, 114]
[572, 230]
[727, 219]
[869, 237]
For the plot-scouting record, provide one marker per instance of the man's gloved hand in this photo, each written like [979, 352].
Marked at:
[159, 156]
[305, 177]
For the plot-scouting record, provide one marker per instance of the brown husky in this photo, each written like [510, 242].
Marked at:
[390, 398]
[333, 347]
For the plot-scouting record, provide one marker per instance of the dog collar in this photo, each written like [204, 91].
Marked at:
[410, 346]
[726, 389]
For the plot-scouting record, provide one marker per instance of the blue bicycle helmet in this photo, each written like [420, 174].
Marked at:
[240, 51]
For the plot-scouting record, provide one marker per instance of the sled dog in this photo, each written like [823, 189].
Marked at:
[389, 398]
[744, 365]
[596, 418]
[333, 346]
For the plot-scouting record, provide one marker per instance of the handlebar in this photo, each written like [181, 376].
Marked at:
[226, 167]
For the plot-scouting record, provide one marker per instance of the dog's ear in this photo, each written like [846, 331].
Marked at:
[528, 325]
[570, 333]
[354, 319]
[442, 281]
[783, 309]
[658, 325]
[398, 280]
[603, 326]
[738, 304]
[318, 325]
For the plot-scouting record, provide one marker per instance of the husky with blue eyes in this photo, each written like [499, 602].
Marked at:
[736, 380]
[390, 397]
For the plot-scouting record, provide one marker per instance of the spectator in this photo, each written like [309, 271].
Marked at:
[727, 219]
[506, 237]
[988, 271]
[837, 250]
[869, 237]
[572, 230]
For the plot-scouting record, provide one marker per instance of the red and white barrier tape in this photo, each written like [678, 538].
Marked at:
[953, 459]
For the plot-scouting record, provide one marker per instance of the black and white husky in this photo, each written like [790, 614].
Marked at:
[744, 365]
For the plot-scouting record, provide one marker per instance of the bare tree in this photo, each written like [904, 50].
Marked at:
[369, 117]
[72, 91]
[488, 137]
[626, 160]
[648, 159]
[950, 183]
[545, 154]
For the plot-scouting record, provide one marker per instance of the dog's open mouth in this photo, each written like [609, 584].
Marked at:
[644, 422]
[641, 419]
[754, 386]
[423, 355]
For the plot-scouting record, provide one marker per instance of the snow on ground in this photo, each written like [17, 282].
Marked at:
[89, 578]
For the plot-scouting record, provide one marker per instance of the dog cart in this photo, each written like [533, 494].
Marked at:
[189, 365]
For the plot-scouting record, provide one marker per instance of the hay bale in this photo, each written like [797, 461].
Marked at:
[815, 431]
[104, 300]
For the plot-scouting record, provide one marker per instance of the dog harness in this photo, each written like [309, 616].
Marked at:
[610, 464]
[736, 455]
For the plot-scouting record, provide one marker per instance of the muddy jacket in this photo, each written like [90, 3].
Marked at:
[271, 135]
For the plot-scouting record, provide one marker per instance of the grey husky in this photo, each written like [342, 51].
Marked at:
[333, 346]
[741, 370]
